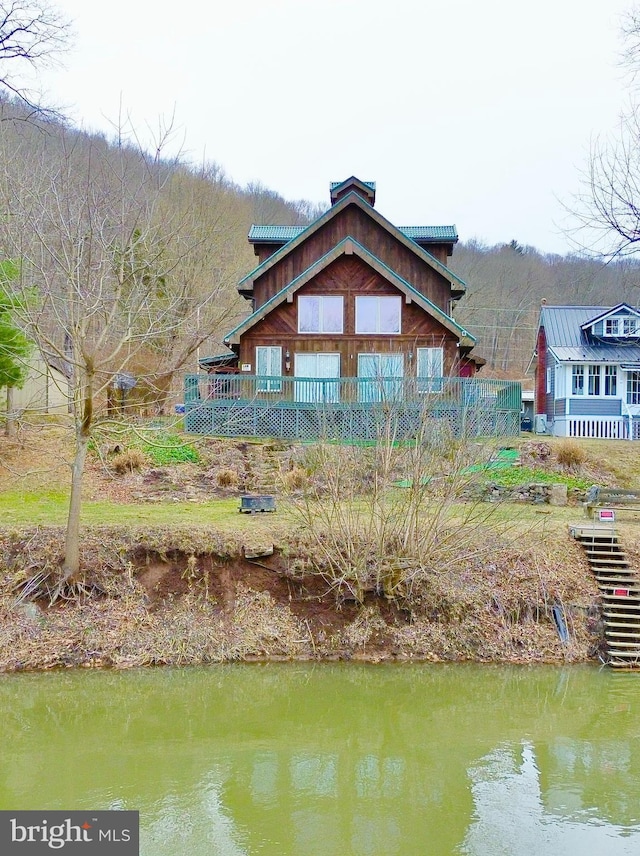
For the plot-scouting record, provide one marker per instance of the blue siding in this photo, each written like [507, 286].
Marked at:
[560, 407]
[595, 406]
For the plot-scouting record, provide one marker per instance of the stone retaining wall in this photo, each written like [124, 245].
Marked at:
[536, 494]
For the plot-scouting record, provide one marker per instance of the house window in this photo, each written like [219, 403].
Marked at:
[314, 368]
[378, 314]
[594, 380]
[633, 388]
[320, 314]
[383, 374]
[577, 380]
[610, 380]
[429, 369]
[548, 388]
[269, 369]
[627, 325]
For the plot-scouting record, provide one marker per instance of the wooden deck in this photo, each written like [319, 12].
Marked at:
[350, 408]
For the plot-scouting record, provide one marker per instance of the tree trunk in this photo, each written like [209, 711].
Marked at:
[72, 541]
[10, 428]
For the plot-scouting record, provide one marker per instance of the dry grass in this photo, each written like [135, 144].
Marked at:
[570, 454]
[227, 478]
[128, 461]
[295, 479]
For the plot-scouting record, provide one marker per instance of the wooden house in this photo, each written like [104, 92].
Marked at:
[588, 372]
[348, 311]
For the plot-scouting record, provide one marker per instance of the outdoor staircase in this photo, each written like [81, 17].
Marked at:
[620, 589]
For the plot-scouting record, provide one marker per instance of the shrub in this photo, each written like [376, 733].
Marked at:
[128, 461]
[570, 454]
[227, 478]
[295, 478]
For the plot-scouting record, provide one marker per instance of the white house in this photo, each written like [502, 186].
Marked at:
[588, 372]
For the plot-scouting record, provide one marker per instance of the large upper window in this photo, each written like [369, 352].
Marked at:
[378, 314]
[320, 314]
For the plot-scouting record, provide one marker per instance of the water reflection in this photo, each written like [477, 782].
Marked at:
[335, 759]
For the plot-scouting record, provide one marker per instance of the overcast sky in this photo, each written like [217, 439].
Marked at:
[473, 112]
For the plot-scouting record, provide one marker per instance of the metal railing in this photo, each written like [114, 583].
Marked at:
[306, 408]
[293, 390]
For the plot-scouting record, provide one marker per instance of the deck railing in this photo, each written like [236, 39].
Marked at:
[307, 408]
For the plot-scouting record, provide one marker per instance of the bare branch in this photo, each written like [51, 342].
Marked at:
[33, 35]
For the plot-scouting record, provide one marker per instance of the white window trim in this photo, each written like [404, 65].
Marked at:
[321, 298]
[270, 385]
[379, 332]
[605, 376]
[620, 321]
[421, 378]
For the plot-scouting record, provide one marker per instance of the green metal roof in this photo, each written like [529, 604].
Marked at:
[366, 255]
[430, 233]
[275, 234]
[334, 184]
[351, 198]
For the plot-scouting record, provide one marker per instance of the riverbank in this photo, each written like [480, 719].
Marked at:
[185, 596]
[386, 553]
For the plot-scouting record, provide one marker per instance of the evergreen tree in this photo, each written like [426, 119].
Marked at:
[14, 345]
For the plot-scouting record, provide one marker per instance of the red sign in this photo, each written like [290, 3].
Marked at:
[620, 592]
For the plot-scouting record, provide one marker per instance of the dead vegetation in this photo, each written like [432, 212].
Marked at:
[155, 596]
[380, 562]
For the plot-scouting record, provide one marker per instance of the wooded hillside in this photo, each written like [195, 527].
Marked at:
[506, 283]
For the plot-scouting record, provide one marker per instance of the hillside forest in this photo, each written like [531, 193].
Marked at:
[58, 182]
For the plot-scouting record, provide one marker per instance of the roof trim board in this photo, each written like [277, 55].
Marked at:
[349, 245]
[352, 198]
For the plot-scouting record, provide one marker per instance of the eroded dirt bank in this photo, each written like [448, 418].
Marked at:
[149, 596]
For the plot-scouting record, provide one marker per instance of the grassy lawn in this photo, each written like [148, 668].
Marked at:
[49, 508]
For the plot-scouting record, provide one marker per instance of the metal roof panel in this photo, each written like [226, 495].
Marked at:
[276, 234]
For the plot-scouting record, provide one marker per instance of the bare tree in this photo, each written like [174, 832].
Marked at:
[112, 263]
[32, 35]
[607, 209]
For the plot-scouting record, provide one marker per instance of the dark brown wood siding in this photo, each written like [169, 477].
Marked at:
[356, 223]
[264, 251]
[348, 277]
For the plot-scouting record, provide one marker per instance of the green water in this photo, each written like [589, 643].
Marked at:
[335, 760]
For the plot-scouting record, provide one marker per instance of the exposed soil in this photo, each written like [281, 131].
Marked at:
[179, 595]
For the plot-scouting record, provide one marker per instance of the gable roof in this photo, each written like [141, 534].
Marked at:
[563, 327]
[352, 198]
[367, 187]
[272, 234]
[610, 312]
[349, 246]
